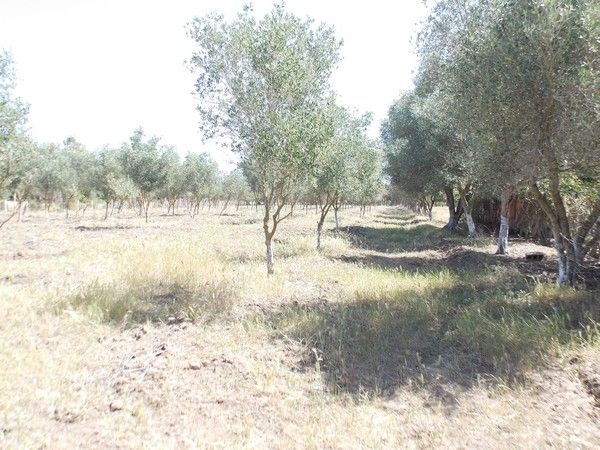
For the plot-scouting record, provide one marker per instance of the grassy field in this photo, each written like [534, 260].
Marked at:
[170, 335]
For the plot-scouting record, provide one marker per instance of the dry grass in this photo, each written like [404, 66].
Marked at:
[121, 334]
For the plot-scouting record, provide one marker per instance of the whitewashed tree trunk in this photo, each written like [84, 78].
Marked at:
[561, 277]
[470, 223]
[502, 248]
[503, 236]
[468, 209]
[270, 259]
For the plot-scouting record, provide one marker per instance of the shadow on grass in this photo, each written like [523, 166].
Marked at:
[399, 218]
[104, 227]
[402, 230]
[492, 327]
[461, 259]
[388, 239]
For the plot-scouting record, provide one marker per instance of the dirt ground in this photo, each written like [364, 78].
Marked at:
[238, 366]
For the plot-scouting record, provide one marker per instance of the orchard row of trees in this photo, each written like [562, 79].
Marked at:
[142, 171]
[506, 102]
[265, 85]
[137, 173]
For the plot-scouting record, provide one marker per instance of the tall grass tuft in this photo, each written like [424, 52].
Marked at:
[158, 282]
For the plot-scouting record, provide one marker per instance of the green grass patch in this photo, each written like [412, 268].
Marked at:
[142, 302]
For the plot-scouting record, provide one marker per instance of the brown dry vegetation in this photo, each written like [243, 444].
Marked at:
[121, 334]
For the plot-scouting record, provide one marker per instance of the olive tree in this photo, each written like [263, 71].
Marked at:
[13, 115]
[23, 181]
[143, 164]
[367, 179]
[421, 149]
[335, 166]
[234, 187]
[74, 167]
[110, 181]
[526, 74]
[453, 48]
[264, 83]
[47, 177]
[200, 177]
[174, 186]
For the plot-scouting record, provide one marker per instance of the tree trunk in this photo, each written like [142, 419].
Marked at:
[467, 206]
[319, 229]
[504, 224]
[20, 208]
[563, 244]
[5, 221]
[452, 216]
[268, 238]
[470, 223]
[320, 226]
[224, 207]
[562, 276]
[269, 256]
[146, 210]
[335, 215]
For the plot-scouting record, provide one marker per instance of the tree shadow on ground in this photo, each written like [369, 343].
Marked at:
[104, 227]
[399, 219]
[423, 236]
[493, 327]
[460, 259]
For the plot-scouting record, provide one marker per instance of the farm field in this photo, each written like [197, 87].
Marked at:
[170, 334]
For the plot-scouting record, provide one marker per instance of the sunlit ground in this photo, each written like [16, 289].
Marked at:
[170, 334]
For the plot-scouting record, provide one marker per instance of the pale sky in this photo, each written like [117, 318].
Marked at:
[97, 69]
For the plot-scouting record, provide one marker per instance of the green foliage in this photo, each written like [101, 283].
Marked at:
[75, 171]
[418, 153]
[142, 161]
[263, 84]
[343, 169]
[109, 175]
[174, 183]
[235, 187]
[13, 115]
[201, 176]
[48, 181]
[368, 184]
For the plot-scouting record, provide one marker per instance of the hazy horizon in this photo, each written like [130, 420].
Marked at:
[96, 69]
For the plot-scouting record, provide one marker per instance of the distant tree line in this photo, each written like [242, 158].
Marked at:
[264, 85]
